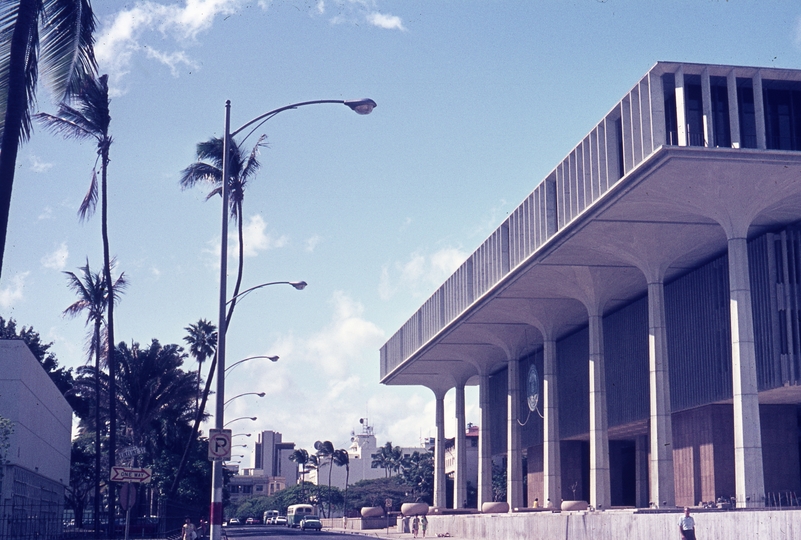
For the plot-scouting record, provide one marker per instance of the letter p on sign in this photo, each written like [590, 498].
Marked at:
[219, 444]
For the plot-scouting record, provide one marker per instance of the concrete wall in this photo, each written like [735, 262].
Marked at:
[712, 525]
[42, 417]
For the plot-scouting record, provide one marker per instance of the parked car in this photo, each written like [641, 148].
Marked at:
[234, 521]
[281, 520]
[311, 523]
[252, 521]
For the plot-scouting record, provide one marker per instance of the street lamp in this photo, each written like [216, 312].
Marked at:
[299, 285]
[241, 435]
[362, 106]
[253, 418]
[260, 394]
[232, 366]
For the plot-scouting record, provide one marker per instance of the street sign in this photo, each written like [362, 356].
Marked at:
[129, 452]
[127, 495]
[219, 444]
[131, 474]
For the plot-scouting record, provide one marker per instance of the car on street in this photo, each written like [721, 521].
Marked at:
[281, 520]
[234, 521]
[252, 521]
[311, 523]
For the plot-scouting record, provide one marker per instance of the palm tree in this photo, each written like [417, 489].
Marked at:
[208, 169]
[341, 458]
[57, 33]
[90, 119]
[388, 458]
[202, 341]
[93, 299]
[325, 452]
[301, 457]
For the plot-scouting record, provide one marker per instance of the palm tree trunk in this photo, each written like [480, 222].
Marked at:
[110, 360]
[97, 428]
[17, 107]
[330, 469]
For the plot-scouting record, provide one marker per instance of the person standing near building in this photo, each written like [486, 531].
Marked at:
[188, 531]
[687, 525]
[424, 525]
[415, 526]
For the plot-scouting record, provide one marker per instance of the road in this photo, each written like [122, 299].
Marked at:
[277, 532]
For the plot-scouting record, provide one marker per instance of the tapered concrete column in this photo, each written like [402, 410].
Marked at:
[748, 467]
[552, 469]
[662, 488]
[641, 471]
[514, 460]
[460, 473]
[484, 448]
[600, 490]
[439, 452]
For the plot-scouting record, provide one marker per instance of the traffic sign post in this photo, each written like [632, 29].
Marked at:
[219, 444]
[140, 475]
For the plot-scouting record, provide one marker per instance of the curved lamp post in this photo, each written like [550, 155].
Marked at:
[241, 435]
[252, 418]
[361, 106]
[232, 366]
[299, 285]
[260, 394]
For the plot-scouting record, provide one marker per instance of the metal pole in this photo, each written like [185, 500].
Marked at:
[216, 512]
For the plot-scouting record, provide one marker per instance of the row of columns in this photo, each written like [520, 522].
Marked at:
[749, 474]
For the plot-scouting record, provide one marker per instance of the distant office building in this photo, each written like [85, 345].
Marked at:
[37, 462]
[644, 299]
[272, 471]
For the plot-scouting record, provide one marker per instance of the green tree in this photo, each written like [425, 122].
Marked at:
[90, 119]
[499, 481]
[388, 458]
[417, 472]
[325, 455]
[341, 458]
[301, 457]
[242, 167]
[56, 36]
[202, 341]
[93, 300]
[375, 493]
[82, 476]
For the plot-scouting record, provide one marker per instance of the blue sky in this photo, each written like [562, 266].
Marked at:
[477, 102]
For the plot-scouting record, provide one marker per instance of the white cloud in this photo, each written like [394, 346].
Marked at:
[256, 239]
[47, 213]
[57, 260]
[312, 242]
[37, 165]
[126, 33]
[346, 338]
[420, 274]
[12, 294]
[382, 20]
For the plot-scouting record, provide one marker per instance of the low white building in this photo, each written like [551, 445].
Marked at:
[36, 469]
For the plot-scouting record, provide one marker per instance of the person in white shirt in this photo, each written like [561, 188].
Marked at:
[687, 525]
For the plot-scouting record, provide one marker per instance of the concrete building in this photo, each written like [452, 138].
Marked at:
[36, 469]
[470, 465]
[272, 471]
[647, 293]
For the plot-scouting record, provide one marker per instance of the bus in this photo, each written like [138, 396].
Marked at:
[296, 512]
[269, 516]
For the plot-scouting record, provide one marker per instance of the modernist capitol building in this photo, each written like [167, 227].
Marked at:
[646, 296]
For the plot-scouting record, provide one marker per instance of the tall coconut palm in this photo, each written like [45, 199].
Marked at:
[56, 35]
[341, 458]
[242, 168]
[93, 300]
[90, 118]
[301, 457]
[325, 453]
[202, 341]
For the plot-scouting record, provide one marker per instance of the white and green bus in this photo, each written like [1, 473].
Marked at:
[296, 512]
[269, 517]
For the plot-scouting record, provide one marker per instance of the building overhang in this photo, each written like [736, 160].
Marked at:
[680, 204]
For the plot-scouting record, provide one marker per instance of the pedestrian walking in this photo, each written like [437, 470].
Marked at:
[188, 531]
[424, 525]
[415, 526]
[687, 525]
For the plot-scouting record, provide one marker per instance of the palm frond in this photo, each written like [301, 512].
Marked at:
[68, 45]
[89, 203]
[64, 124]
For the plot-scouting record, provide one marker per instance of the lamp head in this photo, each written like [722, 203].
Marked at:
[299, 285]
[361, 106]
[273, 358]
[261, 394]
